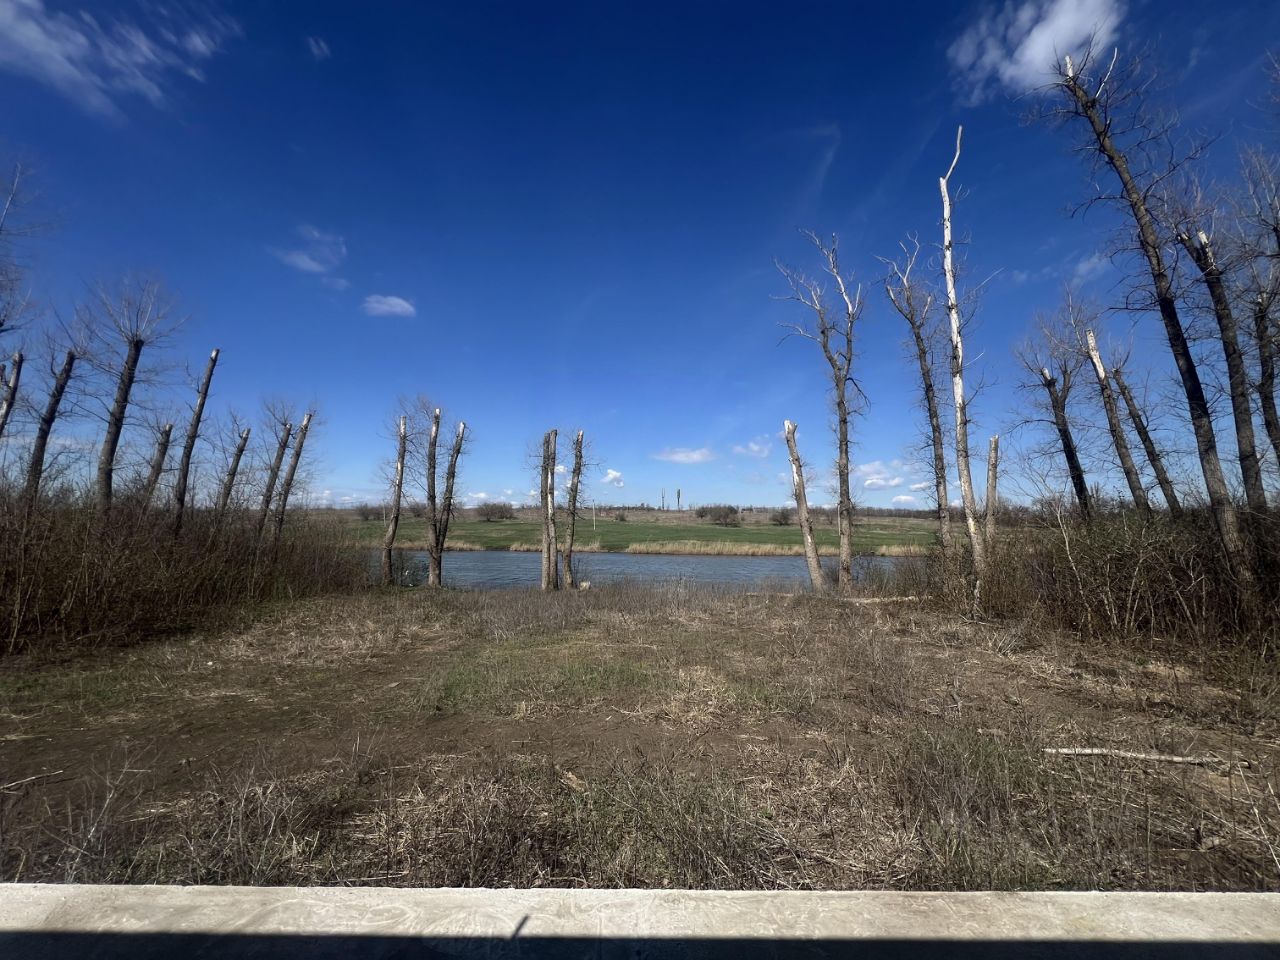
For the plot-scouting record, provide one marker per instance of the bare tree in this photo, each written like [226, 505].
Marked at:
[571, 520]
[960, 400]
[440, 511]
[1054, 362]
[550, 573]
[1259, 221]
[273, 475]
[1154, 457]
[816, 577]
[915, 303]
[1115, 427]
[163, 435]
[993, 496]
[834, 334]
[189, 447]
[286, 485]
[1094, 103]
[12, 378]
[397, 490]
[35, 468]
[229, 481]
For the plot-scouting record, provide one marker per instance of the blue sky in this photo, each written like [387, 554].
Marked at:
[567, 214]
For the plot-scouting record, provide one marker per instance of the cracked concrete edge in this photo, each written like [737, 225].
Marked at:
[1096, 917]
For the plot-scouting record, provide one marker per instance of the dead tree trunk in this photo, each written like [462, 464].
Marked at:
[1265, 335]
[1089, 106]
[189, 447]
[229, 482]
[571, 521]
[817, 579]
[35, 468]
[434, 566]
[1116, 428]
[1058, 404]
[906, 299]
[993, 495]
[10, 398]
[273, 474]
[961, 403]
[1200, 249]
[157, 465]
[286, 486]
[115, 422]
[1154, 456]
[397, 489]
[441, 514]
[550, 561]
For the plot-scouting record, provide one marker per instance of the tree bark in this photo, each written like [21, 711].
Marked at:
[1148, 444]
[1116, 428]
[286, 486]
[35, 468]
[1220, 503]
[229, 482]
[993, 496]
[115, 422]
[444, 514]
[1200, 249]
[157, 465]
[961, 403]
[571, 521]
[550, 561]
[397, 489]
[1265, 335]
[1058, 404]
[816, 577]
[189, 447]
[10, 398]
[273, 474]
[435, 559]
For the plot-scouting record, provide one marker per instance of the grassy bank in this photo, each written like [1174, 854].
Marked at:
[635, 737]
[649, 534]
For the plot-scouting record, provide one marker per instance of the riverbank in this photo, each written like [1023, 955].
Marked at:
[631, 736]
[679, 534]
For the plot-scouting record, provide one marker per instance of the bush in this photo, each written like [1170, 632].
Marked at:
[720, 514]
[496, 511]
[781, 517]
[366, 512]
[620, 517]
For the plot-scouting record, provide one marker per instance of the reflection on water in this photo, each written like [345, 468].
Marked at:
[506, 568]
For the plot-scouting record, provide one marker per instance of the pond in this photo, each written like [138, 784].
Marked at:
[506, 568]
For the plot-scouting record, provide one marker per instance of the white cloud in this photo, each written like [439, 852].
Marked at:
[878, 475]
[561, 468]
[319, 252]
[613, 477]
[904, 499]
[759, 447]
[1016, 46]
[1090, 267]
[92, 64]
[478, 496]
[319, 49]
[336, 283]
[381, 305]
[882, 483]
[922, 485]
[685, 455]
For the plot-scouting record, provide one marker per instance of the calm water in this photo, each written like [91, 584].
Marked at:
[505, 568]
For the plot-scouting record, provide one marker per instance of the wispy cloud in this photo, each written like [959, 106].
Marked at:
[319, 49]
[613, 477]
[685, 455]
[383, 305]
[95, 63]
[336, 283]
[922, 485]
[318, 251]
[759, 447]
[878, 475]
[904, 500]
[1016, 46]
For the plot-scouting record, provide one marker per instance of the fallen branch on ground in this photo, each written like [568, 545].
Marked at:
[1149, 757]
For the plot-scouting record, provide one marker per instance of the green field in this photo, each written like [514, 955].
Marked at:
[613, 535]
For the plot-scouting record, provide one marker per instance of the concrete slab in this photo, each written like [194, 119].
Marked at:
[45, 920]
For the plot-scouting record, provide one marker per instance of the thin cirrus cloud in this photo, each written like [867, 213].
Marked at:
[95, 65]
[685, 455]
[317, 251]
[384, 305]
[759, 447]
[319, 49]
[1017, 46]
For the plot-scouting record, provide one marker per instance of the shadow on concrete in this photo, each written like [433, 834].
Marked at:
[143, 946]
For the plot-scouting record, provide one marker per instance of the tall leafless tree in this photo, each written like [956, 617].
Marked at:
[273, 475]
[161, 451]
[229, 481]
[1096, 103]
[992, 506]
[12, 378]
[35, 468]
[817, 579]
[833, 332]
[440, 509]
[571, 519]
[914, 303]
[189, 446]
[550, 572]
[397, 490]
[1154, 456]
[959, 398]
[1116, 427]
[291, 474]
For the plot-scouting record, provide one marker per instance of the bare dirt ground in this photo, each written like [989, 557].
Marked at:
[632, 737]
